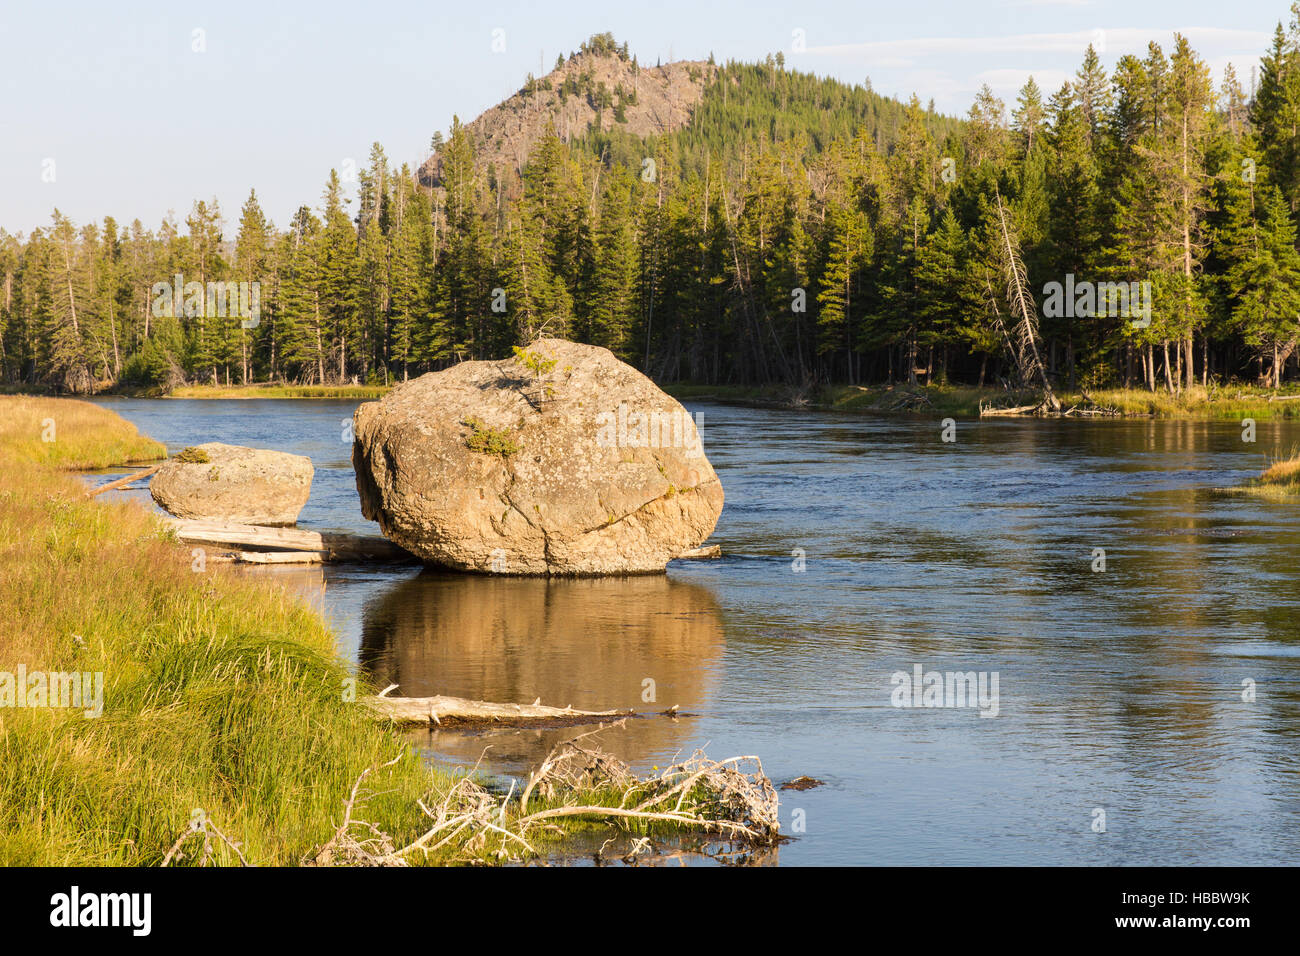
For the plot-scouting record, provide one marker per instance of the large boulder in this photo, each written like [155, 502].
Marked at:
[233, 483]
[561, 460]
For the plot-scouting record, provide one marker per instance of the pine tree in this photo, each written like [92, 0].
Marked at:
[848, 248]
[1093, 93]
[412, 262]
[67, 288]
[1275, 114]
[338, 287]
[1182, 162]
[614, 280]
[300, 324]
[211, 337]
[1261, 268]
[252, 254]
[1030, 117]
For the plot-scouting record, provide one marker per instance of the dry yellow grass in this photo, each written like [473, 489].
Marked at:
[1282, 474]
[65, 433]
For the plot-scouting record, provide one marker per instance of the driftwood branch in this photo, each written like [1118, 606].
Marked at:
[1017, 410]
[440, 709]
[206, 829]
[344, 848]
[697, 794]
[281, 557]
[123, 482]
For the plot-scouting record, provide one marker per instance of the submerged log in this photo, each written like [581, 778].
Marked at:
[436, 710]
[696, 554]
[281, 557]
[246, 537]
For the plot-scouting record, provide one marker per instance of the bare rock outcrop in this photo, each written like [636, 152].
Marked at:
[588, 90]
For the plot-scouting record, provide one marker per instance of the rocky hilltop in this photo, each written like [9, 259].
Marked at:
[591, 89]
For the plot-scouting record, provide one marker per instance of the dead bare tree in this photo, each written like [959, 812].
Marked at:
[1024, 333]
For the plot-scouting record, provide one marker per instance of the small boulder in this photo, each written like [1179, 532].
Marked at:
[562, 460]
[233, 483]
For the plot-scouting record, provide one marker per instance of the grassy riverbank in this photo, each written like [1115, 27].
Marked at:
[225, 707]
[1229, 402]
[221, 693]
[360, 392]
[1224, 403]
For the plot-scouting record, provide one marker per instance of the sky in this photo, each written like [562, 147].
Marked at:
[135, 109]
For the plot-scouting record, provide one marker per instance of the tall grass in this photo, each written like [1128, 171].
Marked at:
[223, 693]
[1223, 403]
[1280, 479]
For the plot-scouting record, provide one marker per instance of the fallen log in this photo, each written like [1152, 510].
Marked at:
[123, 482]
[281, 557]
[440, 709]
[1017, 410]
[336, 546]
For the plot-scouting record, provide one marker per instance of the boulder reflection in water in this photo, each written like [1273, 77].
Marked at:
[643, 643]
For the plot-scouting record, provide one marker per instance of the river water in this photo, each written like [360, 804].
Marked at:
[1147, 713]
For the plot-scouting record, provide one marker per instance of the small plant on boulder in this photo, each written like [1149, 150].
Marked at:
[537, 364]
[489, 441]
[193, 456]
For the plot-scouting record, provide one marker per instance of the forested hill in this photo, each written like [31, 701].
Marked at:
[794, 230]
[602, 100]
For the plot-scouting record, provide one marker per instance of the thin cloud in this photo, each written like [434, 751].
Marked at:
[1008, 83]
[1127, 39]
[1047, 3]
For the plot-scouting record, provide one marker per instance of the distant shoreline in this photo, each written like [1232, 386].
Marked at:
[1226, 403]
[1217, 403]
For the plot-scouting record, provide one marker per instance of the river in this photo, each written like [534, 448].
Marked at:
[1147, 713]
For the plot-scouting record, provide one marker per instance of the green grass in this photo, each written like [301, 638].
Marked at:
[1216, 403]
[884, 399]
[222, 692]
